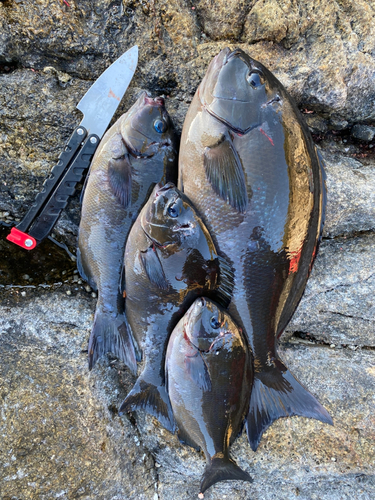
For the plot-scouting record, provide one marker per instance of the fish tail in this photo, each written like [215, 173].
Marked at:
[276, 393]
[154, 400]
[220, 469]
[112, 335]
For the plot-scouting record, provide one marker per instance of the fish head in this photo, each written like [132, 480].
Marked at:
[169, 219]
[148, 128]
[209, 327]
[236, 89]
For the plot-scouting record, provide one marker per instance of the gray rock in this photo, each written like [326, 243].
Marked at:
[62, 436]
[316, 123]
[351, 196]
[339, 124]
[363, 132]
[338, 305]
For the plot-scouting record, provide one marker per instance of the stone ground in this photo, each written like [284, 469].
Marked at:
[61, 435]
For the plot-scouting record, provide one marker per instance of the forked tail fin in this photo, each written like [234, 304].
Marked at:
[112, 335]
[154, 400]
[276, 393]
[220, 469]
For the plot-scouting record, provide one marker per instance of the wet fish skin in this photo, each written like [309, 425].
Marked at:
[132, 157]
[170, 259]
[209, 377]
[248, 163]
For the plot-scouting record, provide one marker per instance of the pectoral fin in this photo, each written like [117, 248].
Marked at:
[153, 268]
[225, 174]
[120, 179]
[197, 370]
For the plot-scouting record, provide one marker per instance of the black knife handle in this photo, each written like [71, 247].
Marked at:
[57, 172]
[59, 199]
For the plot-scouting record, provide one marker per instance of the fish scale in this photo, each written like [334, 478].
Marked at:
[248, 163]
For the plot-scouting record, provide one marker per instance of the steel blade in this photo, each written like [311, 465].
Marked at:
[100, 102]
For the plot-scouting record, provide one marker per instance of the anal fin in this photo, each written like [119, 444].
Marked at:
[82, 271]
[186, 439]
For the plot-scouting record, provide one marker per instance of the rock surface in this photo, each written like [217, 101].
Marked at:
[63, 438]
[61, 435]
[337, 306]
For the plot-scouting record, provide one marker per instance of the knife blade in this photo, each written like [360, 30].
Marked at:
[98, 106]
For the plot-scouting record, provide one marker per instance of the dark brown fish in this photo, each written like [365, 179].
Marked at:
[137, 152]
[248, 163]
[209, 376]
[170, 260]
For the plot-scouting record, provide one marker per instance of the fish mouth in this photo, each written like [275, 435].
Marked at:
[186, 229]
[236, 53]
[163, 188]
[153, 101]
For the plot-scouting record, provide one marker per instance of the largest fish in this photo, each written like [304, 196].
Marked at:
[248, 163]
[137, 152]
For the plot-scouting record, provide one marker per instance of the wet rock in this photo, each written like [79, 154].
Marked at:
[339, 124]
[338, 305]
[350, 196]
[293, 39]
[316, 123]
[363, 132]
[294, 458]
[63, 435]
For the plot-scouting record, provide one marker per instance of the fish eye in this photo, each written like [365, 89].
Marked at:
[254, 79]
[173, 211]
[160, 126]
[214, 323]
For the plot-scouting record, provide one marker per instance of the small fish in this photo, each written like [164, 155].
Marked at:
[137, 152]
[248, 163]
[209, 377]
[170, 260]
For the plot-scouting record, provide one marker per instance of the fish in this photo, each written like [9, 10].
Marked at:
[137, 152]
[248, 163]
[170, 260]
[209, 376]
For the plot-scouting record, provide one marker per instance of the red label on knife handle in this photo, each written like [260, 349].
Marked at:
[21, 239]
